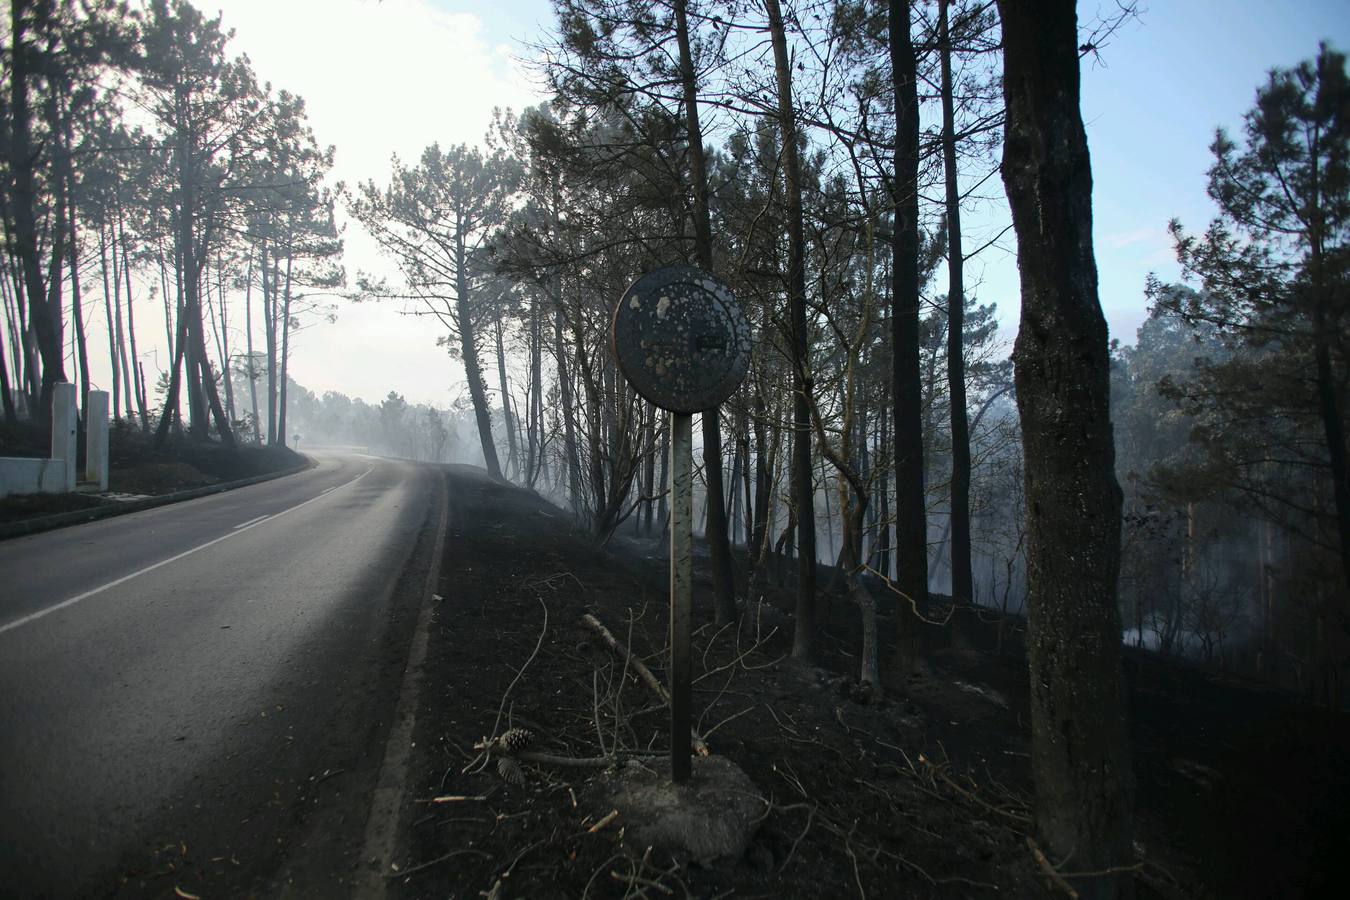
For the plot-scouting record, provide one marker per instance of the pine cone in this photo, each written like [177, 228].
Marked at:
[516, 740]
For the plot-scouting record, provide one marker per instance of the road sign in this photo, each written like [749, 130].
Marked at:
[680, 339]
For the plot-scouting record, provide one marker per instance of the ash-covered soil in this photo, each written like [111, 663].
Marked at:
[1242, 792]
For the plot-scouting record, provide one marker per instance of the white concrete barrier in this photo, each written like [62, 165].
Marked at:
[64, 440]
[23, 475]
[96, 439]
[29, 475]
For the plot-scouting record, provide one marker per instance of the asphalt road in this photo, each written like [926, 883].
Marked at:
[197, 696]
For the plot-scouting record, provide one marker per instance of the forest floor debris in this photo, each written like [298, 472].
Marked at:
[927, 794]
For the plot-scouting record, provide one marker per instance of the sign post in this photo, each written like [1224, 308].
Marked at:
[680, 339]
[681, 589]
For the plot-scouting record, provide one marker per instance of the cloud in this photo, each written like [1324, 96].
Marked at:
[379, 77]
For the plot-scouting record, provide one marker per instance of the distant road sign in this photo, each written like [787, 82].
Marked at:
[680, 339]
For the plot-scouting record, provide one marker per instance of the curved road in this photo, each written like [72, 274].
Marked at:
[197, 696]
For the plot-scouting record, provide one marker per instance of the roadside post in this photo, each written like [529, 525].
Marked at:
[681, 341]
[64, 440]
[96, 439]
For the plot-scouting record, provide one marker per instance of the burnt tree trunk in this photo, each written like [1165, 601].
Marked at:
[473, 370]
[512, 449]
[803, 481]
[66, 143]
[535, 433]
[284, 374]
[269, 288]
[1080, 760]
[114, 324]
[138, 378]
[1333, 429]
[569, 430]
[648, 471]
[248, 342]
[962, 580]
[911, 521]
[746, 481]
[883, 501]
[45, 320]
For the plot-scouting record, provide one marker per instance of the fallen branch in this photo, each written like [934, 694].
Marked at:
[1050, 871]
[699, 745]
[971, 796]
[511, 745]
[436, 862]
[573, 762]
[634, 880]
[913, 606]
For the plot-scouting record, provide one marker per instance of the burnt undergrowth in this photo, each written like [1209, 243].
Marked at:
[922, 792]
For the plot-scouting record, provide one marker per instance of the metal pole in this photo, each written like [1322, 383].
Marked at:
[681, 549]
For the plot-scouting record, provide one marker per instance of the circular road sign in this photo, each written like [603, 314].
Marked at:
[680, 339]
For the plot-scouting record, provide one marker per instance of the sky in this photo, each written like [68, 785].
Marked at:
[392, 76]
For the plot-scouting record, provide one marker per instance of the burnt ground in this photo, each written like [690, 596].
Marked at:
[1242, 792]
[137, 467]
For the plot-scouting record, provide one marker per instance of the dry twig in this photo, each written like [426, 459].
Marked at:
[600, 825]
[700, 746]
[1050, 871]
[436, 862]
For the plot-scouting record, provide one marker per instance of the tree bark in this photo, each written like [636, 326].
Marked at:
[1333, 428]
[114, 324]
[224, 337]
[45, 321]
[269, 288]
[1333, 423]
[469, 349]
[803, 481]
[285, 347]
[512, 449]
[748, 525]
[883, 497]
[248, 344]
[127, 390]
[648, 471]
[64, 142]
[191, 255]
[1080, 759]
[911, 521]
[137, 372]
[170, 413]
[665, 479]
[536, 424]
[11, 414]
[569, 429]
[962, 578]
[22, 352]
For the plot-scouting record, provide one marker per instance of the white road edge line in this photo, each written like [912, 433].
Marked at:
[382, 822]
[238, 530]
[259, 519]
